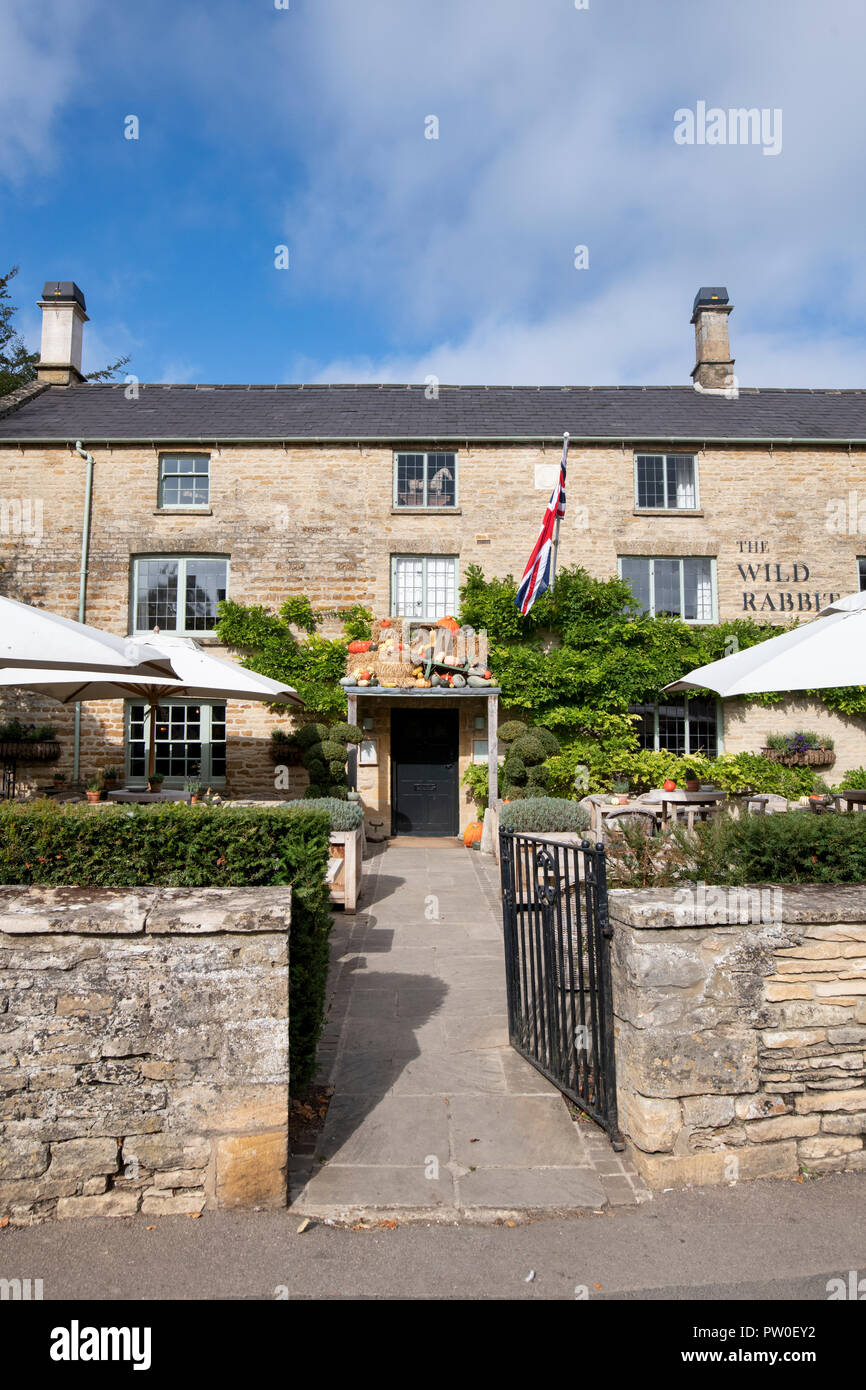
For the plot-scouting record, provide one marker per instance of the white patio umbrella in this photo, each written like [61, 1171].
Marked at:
[199, 676]
[35, 639]
[829, 651]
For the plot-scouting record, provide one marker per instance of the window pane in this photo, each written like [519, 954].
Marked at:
[408, 597]
[637, 574]
[179, 749]
[645, 726]
[441, 479]
[703, 730]
[156, 595]
[441, 592]
[185, 480]
[650, 480]
[681, 481]
[672, 728]
[666, 574]
[698, 585]
[410, 480]
[205, 587]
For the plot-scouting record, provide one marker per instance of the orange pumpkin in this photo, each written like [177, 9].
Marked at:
[451, 624]
[385, 622]
[472, 833]
[359, 646]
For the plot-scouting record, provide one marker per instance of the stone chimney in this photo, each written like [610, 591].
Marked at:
[63, 319]
[714, 365]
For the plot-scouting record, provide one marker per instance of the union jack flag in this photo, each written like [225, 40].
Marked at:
[537, 575]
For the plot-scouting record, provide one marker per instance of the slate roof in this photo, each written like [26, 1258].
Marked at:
[190, 414]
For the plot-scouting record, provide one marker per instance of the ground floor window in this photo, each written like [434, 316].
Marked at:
[683, 726]
[423, 586]
[190, 741]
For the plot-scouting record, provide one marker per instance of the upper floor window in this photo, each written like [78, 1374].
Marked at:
[666, 482]
[425, 480]
[423, 586]
[681, 588]
[184, 480]
[178, 594]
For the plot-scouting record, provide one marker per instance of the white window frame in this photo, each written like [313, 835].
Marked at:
[424, 505]
[651, 559]
[424, 617]
[642, 507]
[182, 506]
[173, 783]
[181, 561]
[688, 751]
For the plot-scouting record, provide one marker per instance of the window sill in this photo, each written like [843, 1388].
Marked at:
[183, 511]
[668, 511]
[426, 511]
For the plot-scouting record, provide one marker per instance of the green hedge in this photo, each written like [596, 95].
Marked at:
[539, 813]
[794, 847]
[179, 846]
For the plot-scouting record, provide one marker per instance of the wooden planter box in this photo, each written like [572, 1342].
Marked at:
[811, 757]
[27, 750]
[345, 867]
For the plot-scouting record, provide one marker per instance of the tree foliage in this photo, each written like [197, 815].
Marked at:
[17, 364]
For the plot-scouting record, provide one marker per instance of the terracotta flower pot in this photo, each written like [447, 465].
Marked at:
[92, 797]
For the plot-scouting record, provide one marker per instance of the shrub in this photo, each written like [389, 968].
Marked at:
[549, 742]
[177, 846]
[309, 734]
[476, 778]
[855, 780]
[529, 749]
[513, 772]
[344, 815]
[332, 751]
[346, 733]
[510, 730]
[797, 847]
[543, 813]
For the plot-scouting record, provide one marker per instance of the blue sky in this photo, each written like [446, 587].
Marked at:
[305, 127]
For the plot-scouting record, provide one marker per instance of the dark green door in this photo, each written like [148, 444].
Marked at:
[424, 792]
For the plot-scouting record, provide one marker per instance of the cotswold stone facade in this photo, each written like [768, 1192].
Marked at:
[144, 1057]
[741, 1030]
[760, 494]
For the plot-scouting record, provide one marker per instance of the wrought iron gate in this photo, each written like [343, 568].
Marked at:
[557, 963]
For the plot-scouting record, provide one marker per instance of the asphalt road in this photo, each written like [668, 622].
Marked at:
[760, 1240]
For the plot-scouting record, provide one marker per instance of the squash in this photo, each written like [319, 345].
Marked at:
[356, 647]
[384, 622]
[451, 624]
[472, 834]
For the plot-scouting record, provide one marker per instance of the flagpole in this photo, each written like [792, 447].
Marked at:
[556, 532]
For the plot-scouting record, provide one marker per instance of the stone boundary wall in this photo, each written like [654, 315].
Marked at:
[740, 1018]
[144, 1050]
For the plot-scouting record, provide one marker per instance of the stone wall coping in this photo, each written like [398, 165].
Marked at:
[647, 908]
[26, 911]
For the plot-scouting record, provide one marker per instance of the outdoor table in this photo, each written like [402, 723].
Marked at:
[853, 800]
[698, 804]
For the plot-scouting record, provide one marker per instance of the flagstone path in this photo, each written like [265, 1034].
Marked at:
[434, 1116]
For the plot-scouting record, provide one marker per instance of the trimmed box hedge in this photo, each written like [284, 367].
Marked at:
[543, 813]
[174, 845]
[791, 847]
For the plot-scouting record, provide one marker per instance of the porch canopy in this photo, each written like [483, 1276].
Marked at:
[413, 695]
[829, 651]
[199, 676]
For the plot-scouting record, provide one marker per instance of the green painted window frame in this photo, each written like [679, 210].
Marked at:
[651, 561]
[685, 696]
[194, 473]
[668, 460]
[425, 616]
[181, 561]
[173, 783]
[425, 504]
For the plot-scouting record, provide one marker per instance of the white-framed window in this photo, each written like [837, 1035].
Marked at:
[178, 593]
[681, 587]
[423, 586]
[184, 480]
[190, 742]
[680, 724]
[425, 480]
[666, 482]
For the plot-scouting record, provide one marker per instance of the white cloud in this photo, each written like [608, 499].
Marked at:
[42, 67]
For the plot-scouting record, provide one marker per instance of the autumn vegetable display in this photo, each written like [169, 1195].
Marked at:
[403, 656]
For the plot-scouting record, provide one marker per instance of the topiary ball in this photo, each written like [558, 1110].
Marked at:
[332, 750]
[529, 749]
[337, 769]
[316, 790]
[549, 742]
[514, 771]
[318, 769]
[340, 792]
[536, 776]
[311, 733]
[510, 730]
[346, 733]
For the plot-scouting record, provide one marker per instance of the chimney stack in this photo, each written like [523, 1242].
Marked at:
[714, 365]
[63, 319]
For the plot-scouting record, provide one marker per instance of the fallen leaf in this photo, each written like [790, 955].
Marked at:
[598, 1286]
[150, 1228]
[511, 1223]
[4, 1221]
[304, 1226]
[388, 1225]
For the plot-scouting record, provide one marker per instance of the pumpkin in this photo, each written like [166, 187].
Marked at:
[385, 622]
[451, 624]
[473, 832]
[363, 675]
[670, 785]
[359, 647]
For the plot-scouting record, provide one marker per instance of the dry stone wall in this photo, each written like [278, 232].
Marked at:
[144, 1063]
[741, 1030]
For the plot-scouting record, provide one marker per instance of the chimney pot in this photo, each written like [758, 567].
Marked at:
[714, 365]
[63, 320]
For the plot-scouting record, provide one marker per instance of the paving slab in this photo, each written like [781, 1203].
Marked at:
[434, 1116]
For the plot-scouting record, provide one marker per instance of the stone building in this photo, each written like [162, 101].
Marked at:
[715, 501]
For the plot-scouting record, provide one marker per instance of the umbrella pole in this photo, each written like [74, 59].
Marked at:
[151, 756]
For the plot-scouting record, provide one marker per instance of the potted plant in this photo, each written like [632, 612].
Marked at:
[692, 780]
[93, 790]
[59, 778]
[155, 781]
[110, 777]
[803, 748]
[194, 790]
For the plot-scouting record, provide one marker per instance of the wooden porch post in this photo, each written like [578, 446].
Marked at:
[352, 718]
[492, 750]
